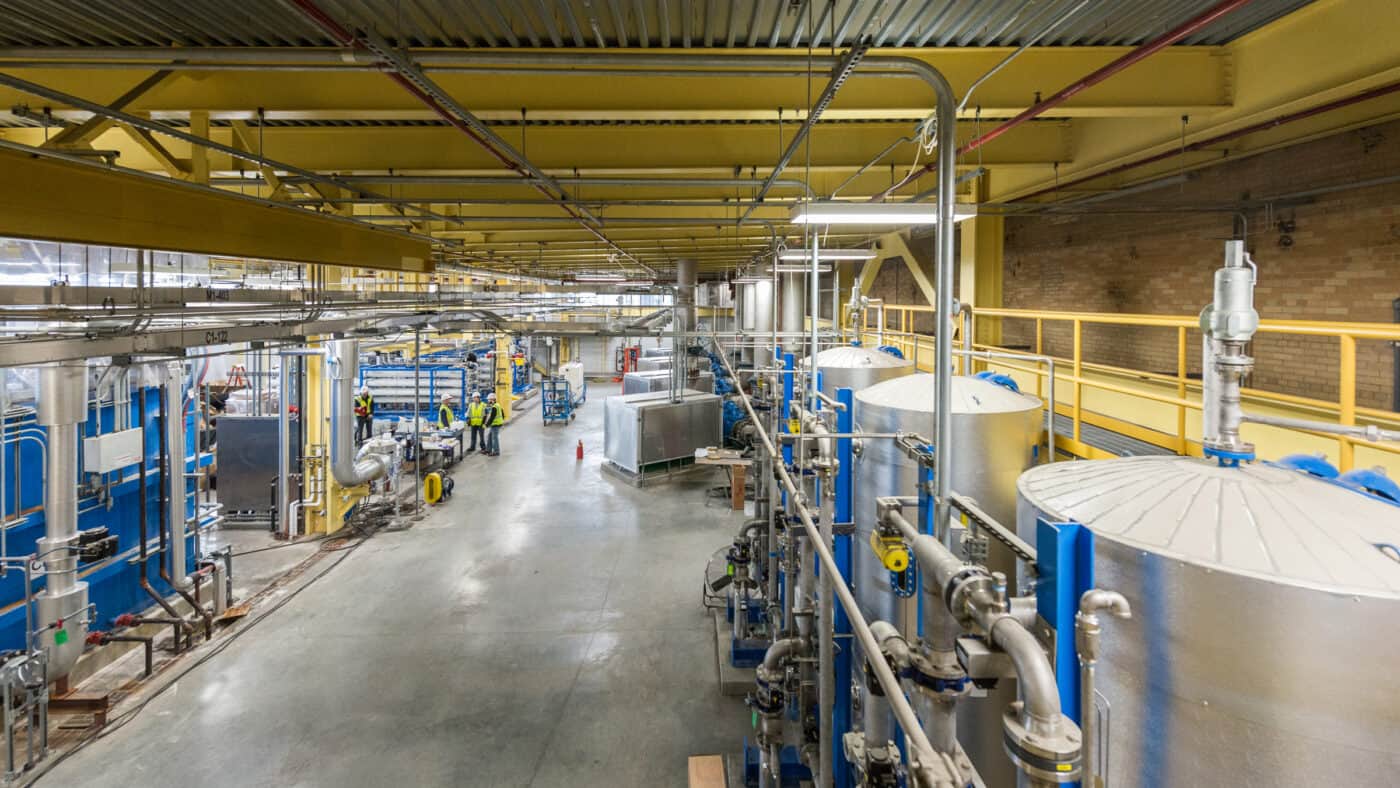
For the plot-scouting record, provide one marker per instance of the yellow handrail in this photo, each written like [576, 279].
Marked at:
[1085, 377]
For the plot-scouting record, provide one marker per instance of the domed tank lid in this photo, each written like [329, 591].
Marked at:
[846, 356]
[1258, 520]
[970, 395]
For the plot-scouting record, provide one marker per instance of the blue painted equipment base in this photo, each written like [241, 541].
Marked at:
[747, 653]
[791, 773]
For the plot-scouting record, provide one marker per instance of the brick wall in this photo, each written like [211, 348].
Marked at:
[1339, 261]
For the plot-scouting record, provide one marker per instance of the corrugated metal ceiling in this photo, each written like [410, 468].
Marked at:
[614, 23]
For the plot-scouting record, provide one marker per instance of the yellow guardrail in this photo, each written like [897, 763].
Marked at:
[1152, 406]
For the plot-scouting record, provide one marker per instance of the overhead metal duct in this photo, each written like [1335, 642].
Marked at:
[685, 295]
[344, 363]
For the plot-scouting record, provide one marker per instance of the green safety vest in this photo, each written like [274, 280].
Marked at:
[476, 413]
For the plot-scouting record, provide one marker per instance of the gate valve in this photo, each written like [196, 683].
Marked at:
[126, 620]
[96, 637]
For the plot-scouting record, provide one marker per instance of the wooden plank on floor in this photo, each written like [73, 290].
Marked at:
[707, 771]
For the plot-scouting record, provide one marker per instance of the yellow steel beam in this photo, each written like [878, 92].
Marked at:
[893, 245]
[1183, 78]
[175, 168]
[242, 138]
[77, 202]
[982, 240]
[1327, 50]
[92, 126]
[199, 157]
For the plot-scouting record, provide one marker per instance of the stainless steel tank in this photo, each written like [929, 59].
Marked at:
[856, 367]
[1262, 647]
[764, 306]
[995, 434]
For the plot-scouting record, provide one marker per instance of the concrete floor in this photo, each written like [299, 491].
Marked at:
[542, 628]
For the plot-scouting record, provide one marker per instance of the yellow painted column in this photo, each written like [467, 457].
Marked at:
[336, 500]
[980, 266]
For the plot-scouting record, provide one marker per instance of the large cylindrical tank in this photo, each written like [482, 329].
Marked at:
[1262, 646]
[856, 367]
[764, 306]
[995, 434]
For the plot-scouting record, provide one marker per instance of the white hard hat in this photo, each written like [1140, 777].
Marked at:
[492, 396]
[476, 395]
[364, 389]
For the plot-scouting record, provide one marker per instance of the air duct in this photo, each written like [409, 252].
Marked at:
[685, 295]
[790, 318]
[62, 605]
[344, 363]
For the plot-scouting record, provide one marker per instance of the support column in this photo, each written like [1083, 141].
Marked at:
[980, 266]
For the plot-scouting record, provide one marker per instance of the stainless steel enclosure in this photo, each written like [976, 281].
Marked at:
[660, 380]
[642, 429]
[1262, 647]
[996, 431]
[856, 367]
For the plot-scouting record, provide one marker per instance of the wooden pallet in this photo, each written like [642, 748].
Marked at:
[707, 771]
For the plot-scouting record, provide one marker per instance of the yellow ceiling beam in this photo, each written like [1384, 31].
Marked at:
[1327, 50]
[1195, 77]
[83, 203]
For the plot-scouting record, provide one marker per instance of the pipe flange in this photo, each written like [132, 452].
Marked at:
[1054, 758]
[965, 585]
[930, 679]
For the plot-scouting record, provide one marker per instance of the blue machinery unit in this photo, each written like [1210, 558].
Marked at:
[557, 400]
[109, 500]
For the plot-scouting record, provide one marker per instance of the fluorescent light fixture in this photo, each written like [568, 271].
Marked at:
[827, 212]
[800, 269]
[749, 279]
[599, 278]
[827, 254]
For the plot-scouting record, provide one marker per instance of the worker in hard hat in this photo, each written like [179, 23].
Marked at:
[364, 415]
[445, 415]
[476, 420]
[495, 417]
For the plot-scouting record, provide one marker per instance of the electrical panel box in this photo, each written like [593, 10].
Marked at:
[112, 452]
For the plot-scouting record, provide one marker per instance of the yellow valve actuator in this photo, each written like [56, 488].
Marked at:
[890, 550]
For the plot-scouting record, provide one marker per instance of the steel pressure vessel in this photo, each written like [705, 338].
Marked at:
[996, 432]
[1263, 643]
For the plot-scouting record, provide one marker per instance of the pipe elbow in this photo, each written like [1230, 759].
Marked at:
[1033, 671]
[780, 652]
[1096, 600]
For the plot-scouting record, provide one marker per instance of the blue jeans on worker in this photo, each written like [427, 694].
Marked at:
[493, 440]
[476, 433]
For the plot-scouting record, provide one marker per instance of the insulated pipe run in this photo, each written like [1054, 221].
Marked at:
[178, 494]
[62, 407]
[344, 363]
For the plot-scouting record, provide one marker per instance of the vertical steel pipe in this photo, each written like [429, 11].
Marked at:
[62, 407]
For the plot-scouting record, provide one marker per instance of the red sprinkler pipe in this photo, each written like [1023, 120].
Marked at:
[1143, 52]
[1264, 125]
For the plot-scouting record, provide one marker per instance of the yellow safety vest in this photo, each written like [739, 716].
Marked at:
[476, 413]
[498, 416]
[444, 416]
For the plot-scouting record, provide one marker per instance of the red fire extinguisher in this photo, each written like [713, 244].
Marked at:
[579, 453]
